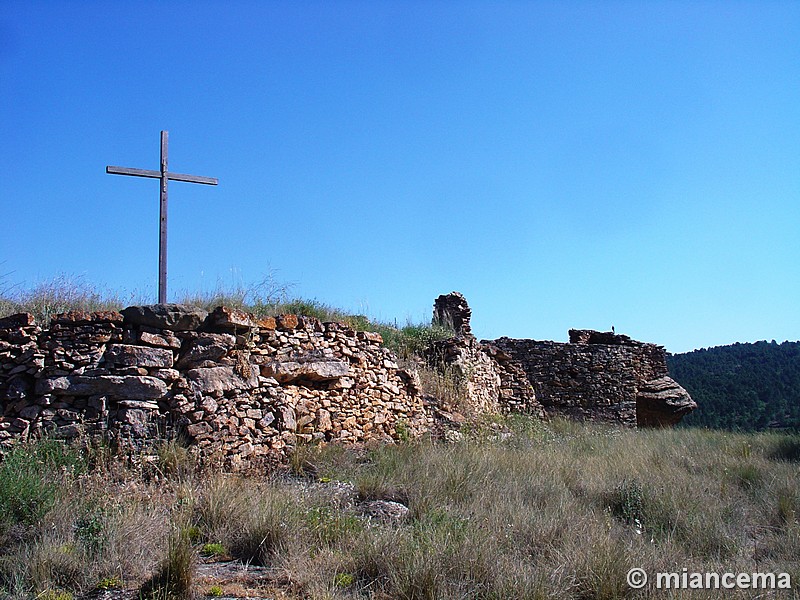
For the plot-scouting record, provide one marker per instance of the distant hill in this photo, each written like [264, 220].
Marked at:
[742, 386]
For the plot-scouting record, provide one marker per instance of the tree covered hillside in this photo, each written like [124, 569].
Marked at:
[743, 386]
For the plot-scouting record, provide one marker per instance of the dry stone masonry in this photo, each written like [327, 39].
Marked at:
[236, 387]
[602, 376]
[597, 376]
[492, 383]
[243, 390]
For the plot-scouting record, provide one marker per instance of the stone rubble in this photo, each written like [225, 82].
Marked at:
[492, 382]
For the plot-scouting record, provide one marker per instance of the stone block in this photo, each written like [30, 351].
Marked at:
[172, 317]
[159, 340]
[77, 317]
[207, 347]
[219, 379]
[287, 322]
[138, 356]
[288, 371]
[134, 387]
[231, 320]
[18, 321]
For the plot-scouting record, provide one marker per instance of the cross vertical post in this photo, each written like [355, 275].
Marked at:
[162, 219]
[164, 176]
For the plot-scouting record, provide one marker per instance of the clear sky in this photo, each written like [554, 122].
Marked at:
[562, 164]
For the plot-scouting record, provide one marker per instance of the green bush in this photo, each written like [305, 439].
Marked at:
[626, 502]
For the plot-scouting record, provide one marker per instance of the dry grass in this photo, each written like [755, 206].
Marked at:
[267, 297]
[555, 510]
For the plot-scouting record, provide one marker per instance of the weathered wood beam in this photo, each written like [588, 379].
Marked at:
[157, 175]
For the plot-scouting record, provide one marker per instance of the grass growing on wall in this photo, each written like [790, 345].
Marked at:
[266, 298]
[549, 510]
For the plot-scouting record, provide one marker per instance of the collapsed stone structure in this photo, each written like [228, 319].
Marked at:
[603, 377]
[236, 387]
[596, 376]
[239, 388]
[491, 381]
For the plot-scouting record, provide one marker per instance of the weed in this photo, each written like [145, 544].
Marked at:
[175, 460]
[214, 591]
[344, 580]
[110, 583]
[328, 525]
[194, 533]
[376, 486]
[90, 531]
[403, 431]
[787, 507]
[786, 448]
[747, 476]
[54, 595]
[626, 502]
[262, 532]
[60, 294]
[213, 549]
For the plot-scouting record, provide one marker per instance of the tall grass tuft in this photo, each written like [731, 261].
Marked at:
[175, 576]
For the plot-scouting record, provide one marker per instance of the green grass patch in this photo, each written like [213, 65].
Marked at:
[31, 479]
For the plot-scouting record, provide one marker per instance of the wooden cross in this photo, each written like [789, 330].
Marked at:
[164, 176]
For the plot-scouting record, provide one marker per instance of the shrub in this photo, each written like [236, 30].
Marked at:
[626, 502]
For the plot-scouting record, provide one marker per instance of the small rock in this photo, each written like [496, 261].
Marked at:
[385, 511]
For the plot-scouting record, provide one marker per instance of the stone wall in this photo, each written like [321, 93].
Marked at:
[601, 376]
[240, 389]
[237, 388]
[492, 382]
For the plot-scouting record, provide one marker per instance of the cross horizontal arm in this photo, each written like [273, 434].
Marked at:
[193, 178]
[157, 175]
[134, 172]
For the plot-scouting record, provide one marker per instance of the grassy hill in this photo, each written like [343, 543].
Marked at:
[742, 386]
[516, 509]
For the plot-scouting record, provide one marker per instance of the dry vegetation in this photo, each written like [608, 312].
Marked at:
[65, 293]
[518, 509]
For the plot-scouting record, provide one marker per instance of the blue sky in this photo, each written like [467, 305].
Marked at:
[563, 164]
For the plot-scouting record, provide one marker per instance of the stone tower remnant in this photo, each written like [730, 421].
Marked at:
[452, 310]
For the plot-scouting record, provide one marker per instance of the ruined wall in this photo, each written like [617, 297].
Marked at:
[239, 388]
[492, 382]
[236, 387]
[602, 377]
